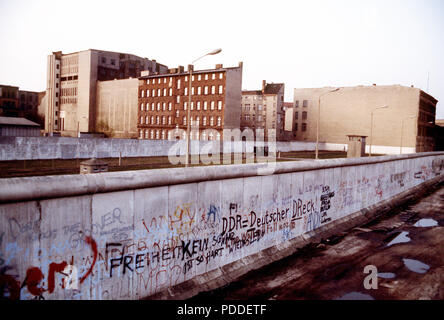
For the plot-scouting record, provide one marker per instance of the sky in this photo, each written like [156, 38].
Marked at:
[304, 44]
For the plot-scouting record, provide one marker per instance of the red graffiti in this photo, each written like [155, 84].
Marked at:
[8, 282]
[53, 268]
[33, 278]
[93, 245]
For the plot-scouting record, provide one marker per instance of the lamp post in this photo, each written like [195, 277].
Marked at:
[189, 102]
[402, 129]
[319, 118]
[371, 127]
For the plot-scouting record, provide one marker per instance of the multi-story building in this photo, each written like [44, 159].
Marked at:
[9, 103]
[264, 109]
[290, 121]
[215, 100]
[408, 119]
[72, 86]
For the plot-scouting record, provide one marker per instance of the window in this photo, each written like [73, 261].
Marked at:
[199, 90]
[205, 105]
[170, 105]
[178, 84]
[141, 134]
[219, 105]
[158, 106]
[296, 115]
[221, 89]
[171, 92]
[152, 119]
[163, 134]
[197, 121]
[213, 76]
[169, 119]
[198, 105]
[141, 107]
[186, 91]
[304, 104]
[206, 77]
[211, 121]
[192, 90]
[158, 92]
[147, 92]
[213, 89]
[184, 121]
[147, 81]
[157, 119]
[142, 94]
[141, 120]
[152, 134]
[165, 91]
[186, 78]
[192, 105]
[212, 105]
[163, 120]
[146, 134]
[304, 127]
[154, 92]
[199, 77]
[178, 99]
[185, 104]
[219, 121]
[157, 134]
[177, 113]
[304, 115]
[164, 80]
[206, 90]
[204, 121]
[146, 120]
[221, 75]
[152, 106]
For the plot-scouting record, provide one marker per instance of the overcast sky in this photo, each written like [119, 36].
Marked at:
[302, 43]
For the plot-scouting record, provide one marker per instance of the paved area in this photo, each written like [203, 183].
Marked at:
[406, 246]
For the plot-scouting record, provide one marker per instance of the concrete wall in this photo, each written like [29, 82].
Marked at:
[33, 148]
[128, 235]
[117, 105]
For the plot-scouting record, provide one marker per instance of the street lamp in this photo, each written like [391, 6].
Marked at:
[402, 129]
[319, 118]
[371, 127]
[189, 101]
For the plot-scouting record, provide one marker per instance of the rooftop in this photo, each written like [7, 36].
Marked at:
[12, 121]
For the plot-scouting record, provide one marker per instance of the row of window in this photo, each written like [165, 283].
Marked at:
[304, 103]
[304, 115]
[199, 77]
[67, 100]
[204, 90]
[304, 127]
[168, 120]
[247, 107]
[259, 117]
[68, 91]
[163, 106]
[163, 134]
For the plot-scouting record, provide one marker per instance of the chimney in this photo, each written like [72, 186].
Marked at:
[241, 64]
[190, 67]
[264, 83]
[181, 69]
[374, 84]
[219, 66]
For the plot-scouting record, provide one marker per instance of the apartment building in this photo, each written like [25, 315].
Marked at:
[164, 102]
[408, 119]
[9, 101]
[72, 86]
[264, 109]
